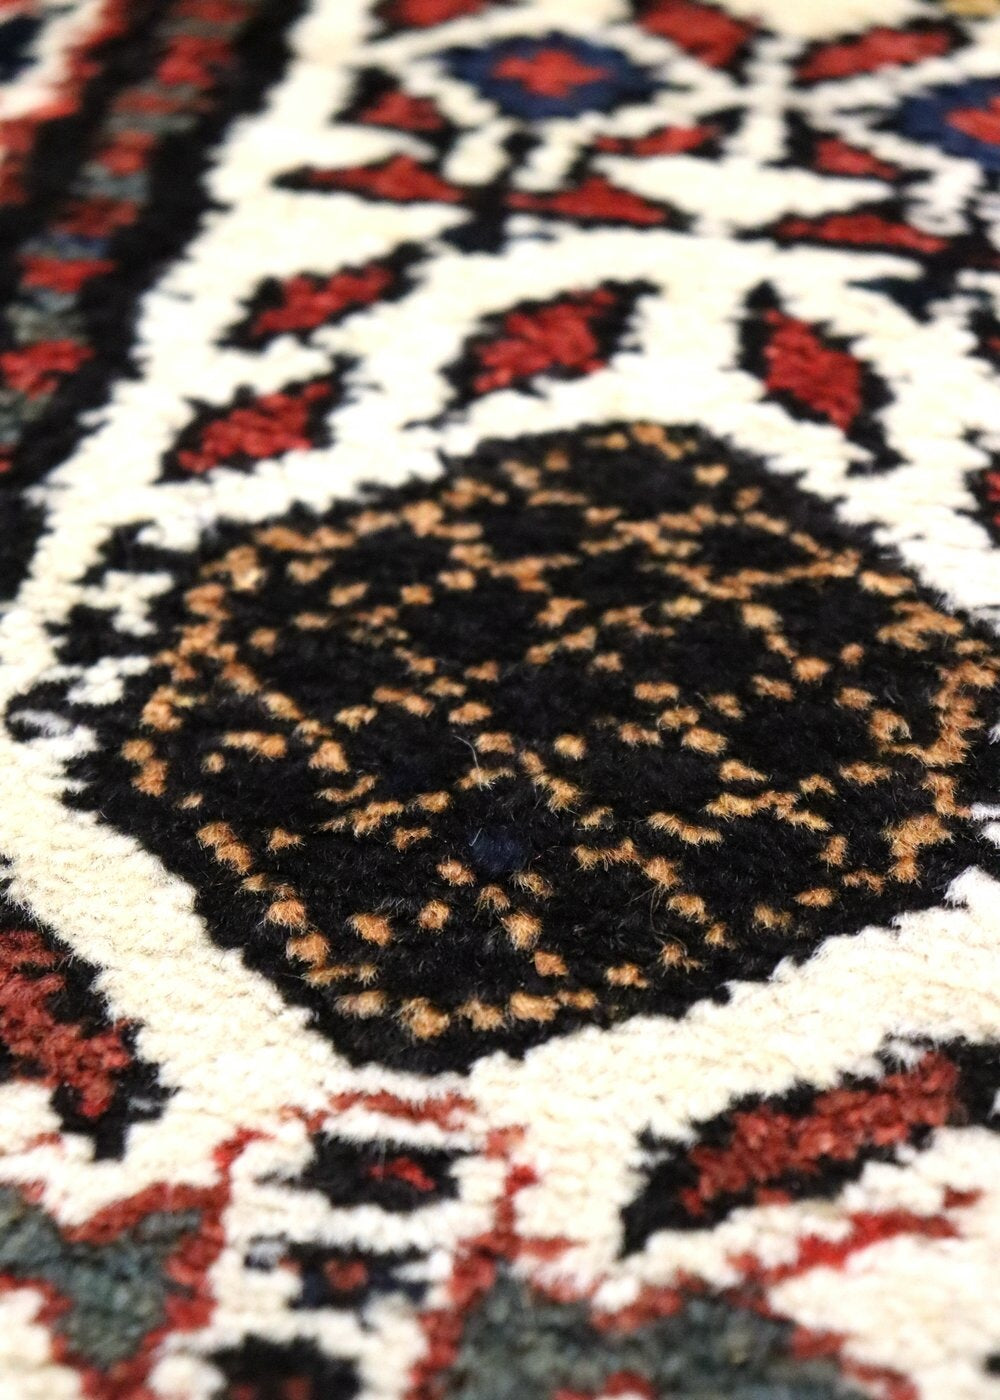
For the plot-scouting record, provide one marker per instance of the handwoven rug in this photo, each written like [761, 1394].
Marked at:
[500, 816]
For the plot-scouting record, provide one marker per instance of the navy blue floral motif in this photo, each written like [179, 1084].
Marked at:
[551, 75]
[962, 119]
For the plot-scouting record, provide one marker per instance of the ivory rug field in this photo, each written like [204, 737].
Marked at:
[499, 686]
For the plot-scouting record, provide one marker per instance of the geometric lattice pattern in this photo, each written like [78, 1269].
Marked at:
[499, 690]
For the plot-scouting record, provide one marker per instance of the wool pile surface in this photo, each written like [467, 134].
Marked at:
[499, 679]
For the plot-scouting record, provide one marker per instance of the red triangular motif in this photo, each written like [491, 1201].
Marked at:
[878, 48]
[707, 33]
[594, 200]
[424, 14]
[402, 112]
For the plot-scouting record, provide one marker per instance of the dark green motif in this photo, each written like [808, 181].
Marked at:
[116, 1292]
[519, 1345]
